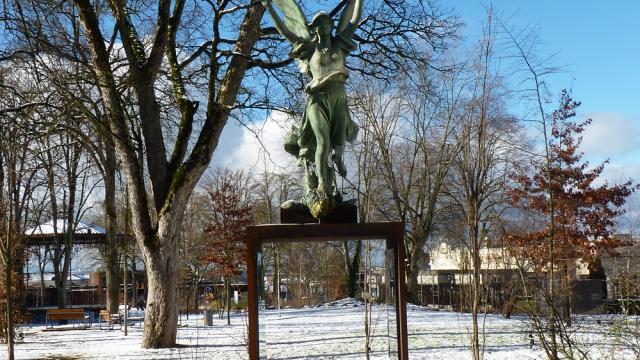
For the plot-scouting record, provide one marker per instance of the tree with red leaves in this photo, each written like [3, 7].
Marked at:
[575, 213]
[229, 217]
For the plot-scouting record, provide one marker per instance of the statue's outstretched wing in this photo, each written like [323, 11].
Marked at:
[294, 18]
[346, 16]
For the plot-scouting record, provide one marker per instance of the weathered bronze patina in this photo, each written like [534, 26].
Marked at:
[326, 124]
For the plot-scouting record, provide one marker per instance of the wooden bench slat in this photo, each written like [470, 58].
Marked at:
[66, 317]
[65, 314]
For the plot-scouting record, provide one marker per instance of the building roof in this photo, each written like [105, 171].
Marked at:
[60, 227]
[624, 258]
[84, 234]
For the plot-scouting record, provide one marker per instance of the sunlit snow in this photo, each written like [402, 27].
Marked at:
[325, 332]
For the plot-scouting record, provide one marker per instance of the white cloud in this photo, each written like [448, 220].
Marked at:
[250, 148]
[610, 135]
[618, 173]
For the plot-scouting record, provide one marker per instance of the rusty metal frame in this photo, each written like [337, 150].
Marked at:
[391, 232]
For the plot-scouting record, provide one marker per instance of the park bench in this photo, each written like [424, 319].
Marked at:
[109, 319]
[130, 319]
[67, 314]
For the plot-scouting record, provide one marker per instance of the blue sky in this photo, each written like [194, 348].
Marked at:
[598, 45]
[598, 41]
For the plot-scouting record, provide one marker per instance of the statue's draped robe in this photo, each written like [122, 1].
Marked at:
[326, 90]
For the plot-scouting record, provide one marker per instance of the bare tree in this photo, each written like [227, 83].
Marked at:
[10, 235]
[165, 59]
[271, 189]
[483, 163]
[67, 91]
[195, 267]
[19, 183]
[410, 127]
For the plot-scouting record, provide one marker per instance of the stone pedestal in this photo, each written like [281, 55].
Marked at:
[345, 213]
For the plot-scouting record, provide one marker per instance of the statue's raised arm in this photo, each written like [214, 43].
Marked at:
[294, 25]
[350, 19]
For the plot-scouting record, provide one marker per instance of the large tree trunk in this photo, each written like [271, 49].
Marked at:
[58, 278]
[412, 277]
[351, 267]
[111, 251]
[161, 314]
[62, 265]
[112, 276]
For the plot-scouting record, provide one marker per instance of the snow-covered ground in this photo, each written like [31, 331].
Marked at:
[332, 331]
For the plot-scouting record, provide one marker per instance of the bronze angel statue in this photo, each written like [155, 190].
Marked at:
[326, 124]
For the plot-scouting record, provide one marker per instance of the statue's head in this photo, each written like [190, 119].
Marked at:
[322, 23]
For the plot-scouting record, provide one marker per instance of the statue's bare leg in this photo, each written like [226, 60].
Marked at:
[338, 139]
[338, 160]
[320, 125]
